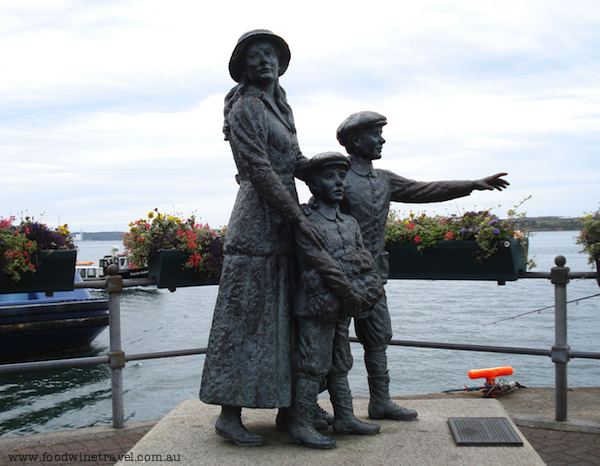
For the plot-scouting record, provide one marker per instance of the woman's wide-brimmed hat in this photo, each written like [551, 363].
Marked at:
[236, 63]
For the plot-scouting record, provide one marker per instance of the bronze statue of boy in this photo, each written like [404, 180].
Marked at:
[337, 282]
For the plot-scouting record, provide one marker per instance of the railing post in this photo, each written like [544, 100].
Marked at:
[116, 357]
[559, 276]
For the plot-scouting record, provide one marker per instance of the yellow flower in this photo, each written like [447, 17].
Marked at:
[150, 214]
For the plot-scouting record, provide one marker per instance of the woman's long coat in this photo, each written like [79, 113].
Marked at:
[248, 362]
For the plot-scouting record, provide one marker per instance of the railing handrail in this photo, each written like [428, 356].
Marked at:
[116, 358]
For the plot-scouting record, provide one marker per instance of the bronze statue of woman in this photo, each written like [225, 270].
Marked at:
[248, 362]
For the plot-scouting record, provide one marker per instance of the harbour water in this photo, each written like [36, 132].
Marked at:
[443, 311]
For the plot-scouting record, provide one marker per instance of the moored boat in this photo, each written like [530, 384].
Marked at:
[35, 323]
[89, 271]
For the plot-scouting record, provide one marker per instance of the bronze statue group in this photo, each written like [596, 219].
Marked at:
[294, 276]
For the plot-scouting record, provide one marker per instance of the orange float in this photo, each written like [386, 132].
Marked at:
[490, 374]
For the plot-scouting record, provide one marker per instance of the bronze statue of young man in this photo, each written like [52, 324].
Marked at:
[367, 198]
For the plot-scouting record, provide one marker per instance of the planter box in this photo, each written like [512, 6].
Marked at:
[55, 271]
[457, 260]
[167, 268]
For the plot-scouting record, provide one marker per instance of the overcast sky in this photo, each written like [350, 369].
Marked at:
[112, 108]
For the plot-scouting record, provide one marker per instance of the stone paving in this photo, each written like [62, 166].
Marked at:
[557, 448]
[560, 448]
[88, 446]
[101, 451]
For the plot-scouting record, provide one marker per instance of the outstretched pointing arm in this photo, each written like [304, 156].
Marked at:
[491, 182]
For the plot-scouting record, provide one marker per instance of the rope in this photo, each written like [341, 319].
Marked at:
[540, 310]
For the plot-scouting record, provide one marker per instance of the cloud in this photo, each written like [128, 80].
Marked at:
[111, 109]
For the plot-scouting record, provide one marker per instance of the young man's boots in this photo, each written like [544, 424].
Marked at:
[380, 404]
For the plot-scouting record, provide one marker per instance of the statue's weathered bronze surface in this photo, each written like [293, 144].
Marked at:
[337, 282]
[249, 357]
[368, 195]
[248, 363]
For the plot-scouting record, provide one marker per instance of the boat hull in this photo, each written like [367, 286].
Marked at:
[32, 323]
[65, 336]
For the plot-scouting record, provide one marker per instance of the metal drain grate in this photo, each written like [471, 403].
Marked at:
[484, 432]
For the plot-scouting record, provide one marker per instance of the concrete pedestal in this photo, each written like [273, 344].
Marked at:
[187, 437]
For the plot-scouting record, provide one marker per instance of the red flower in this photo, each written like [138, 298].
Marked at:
[449, 236]
[417, 239]
[411, 226]
[195, 259]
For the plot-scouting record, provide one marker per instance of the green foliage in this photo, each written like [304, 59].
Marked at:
[20, 243]
[148, 236]
[589, 236]
[483, 227]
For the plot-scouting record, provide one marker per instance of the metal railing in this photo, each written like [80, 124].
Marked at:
[560, 353]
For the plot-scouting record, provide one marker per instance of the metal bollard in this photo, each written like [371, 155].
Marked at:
[116, 357]
[559, 276]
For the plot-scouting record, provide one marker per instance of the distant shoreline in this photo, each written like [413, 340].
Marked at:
[550, 223]
[530, 223]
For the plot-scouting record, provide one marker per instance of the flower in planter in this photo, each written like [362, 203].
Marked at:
[484, 227]
[20, 243]
[148, 236]
[589, 236]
